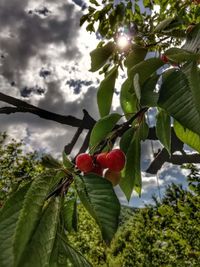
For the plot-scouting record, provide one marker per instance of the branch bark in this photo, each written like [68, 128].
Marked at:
[22, 106]
[163, 157]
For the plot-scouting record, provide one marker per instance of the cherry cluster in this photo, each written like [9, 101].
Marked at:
[113, 161]
[164, 58]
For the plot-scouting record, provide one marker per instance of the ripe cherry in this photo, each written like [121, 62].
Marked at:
[102, 159]
[116, 160]
[189, 29]
[84, 162]
[97, 169]
[113, 177]
[164, 58]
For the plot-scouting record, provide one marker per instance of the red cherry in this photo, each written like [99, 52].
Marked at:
[102, 159]
[84, 162]
[116, 160]
[164, 58]
[97, 169]
[189, 28]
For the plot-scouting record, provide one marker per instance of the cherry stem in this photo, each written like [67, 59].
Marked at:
[121, 129]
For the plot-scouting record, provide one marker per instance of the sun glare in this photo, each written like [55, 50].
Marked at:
[123, 41]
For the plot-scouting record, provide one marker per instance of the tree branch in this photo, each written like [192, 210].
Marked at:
[68, 148]
[85, 144]
[176, 144]
[9, 110]
[187, 158]
[158, 161]
[163, 157]
[88, 122]
[22, 106]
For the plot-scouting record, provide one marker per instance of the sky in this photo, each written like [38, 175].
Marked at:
[44, 60]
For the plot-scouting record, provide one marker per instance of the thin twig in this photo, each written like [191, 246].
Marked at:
[161, 40]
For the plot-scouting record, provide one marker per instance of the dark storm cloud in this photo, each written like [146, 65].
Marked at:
[30, 33]
[43, 11]
[80, 3]
[77, 85]
[44, 73]
[26, 92]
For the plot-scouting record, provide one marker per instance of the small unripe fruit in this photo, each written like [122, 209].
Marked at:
[164, 58]
[84, 162]
[116, 160]
[102, 159]
[113, 177]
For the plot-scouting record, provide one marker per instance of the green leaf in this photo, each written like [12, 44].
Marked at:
[58, 256]
[137, 54]
[75, 257]
[49, 162]
[143, 130]
[137, 86]
[179, 55]
[179, 96]
[83, 19]
[176, 33]
[105, 92]
[126, 140]
[193, 40]
[31, 212]
[128, 99]
[149, 97]
[163, 129]
[186, 136]
[164, 24]
[99, 198]
[66, 162]
[39, 248]
[102, 128]
[94, 2]
[145, 69]
[9, 215]
[90, 27]
[69, 213]
[131, 174]
[100, 55]
[193, 75]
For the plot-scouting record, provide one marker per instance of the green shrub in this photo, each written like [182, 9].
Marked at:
[167, 234]
[17, 167]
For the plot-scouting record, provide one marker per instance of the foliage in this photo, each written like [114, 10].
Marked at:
[168, 82]
[163, 235]
[88, 239]
[37, 216]
[160, 25]
[167, 235]
[17, 168]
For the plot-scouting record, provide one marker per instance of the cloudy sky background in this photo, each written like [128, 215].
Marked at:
[44, 60]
